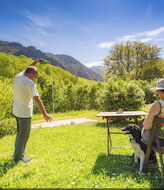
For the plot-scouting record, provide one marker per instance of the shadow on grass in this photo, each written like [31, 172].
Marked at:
[103, 125]
[6, 165]
[118, 123]
[116, 165]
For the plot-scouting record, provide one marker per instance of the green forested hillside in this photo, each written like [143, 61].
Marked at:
[70, 92]
[65, 62]
[66, 86]
[11, 65]
[75, 67]
[10, 48]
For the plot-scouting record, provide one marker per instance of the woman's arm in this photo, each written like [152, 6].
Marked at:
[154, 110]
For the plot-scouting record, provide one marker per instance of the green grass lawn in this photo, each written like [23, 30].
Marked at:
[74, 156]
[38, 118]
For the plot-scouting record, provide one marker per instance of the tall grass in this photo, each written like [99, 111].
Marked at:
[74, 157]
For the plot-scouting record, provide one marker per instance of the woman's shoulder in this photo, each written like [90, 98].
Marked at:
[155, 108]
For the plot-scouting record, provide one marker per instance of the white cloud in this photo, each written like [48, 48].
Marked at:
[145, 40]
[42, 32]
[155, 32]
[35, 30]
[95, 63]
[37, 42]
[151, 33]
[141, 36]
[106, 44]
[38, 20]
[126, 38]
[160, 39]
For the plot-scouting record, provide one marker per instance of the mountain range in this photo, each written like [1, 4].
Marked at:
[100, 70]
[66, 62]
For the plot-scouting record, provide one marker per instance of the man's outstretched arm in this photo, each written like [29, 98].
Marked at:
[36, 61]
[42, 109]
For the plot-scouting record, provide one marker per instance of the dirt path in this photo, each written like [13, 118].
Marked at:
[62, 122]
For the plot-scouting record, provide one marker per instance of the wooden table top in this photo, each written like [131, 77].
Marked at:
[123, 114]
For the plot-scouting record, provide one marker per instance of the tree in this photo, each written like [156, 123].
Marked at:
[114, 61]
[135, 59]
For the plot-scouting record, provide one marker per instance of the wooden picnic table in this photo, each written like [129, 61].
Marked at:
[124, 114]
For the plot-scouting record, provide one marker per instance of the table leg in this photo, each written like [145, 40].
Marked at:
[108, 136]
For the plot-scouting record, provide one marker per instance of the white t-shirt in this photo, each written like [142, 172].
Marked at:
[24, 91]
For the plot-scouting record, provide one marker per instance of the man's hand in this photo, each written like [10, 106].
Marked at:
[48, 118]
[42, 109]
[36, 61]
[39, 60]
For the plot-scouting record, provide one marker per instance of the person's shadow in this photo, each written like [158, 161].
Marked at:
[115, 165]
[6, 165]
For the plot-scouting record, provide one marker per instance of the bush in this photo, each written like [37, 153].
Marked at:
[121, 94]
[146, 86]
[6, 97]
[70, 97]
[8, 127]
[134, 97]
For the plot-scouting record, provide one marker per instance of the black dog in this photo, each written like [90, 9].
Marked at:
[138, 145]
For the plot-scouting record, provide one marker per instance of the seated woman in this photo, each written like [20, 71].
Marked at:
[156, 108]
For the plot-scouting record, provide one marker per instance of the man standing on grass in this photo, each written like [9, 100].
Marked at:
[24, 92]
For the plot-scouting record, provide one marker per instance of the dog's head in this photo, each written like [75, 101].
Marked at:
[133, 130]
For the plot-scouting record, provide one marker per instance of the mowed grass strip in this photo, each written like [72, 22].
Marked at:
[91, 114]
[74, 156]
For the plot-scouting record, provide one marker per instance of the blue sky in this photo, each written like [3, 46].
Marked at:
[83, 29]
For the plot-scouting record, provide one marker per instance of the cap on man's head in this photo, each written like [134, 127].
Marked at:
[160, 85]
